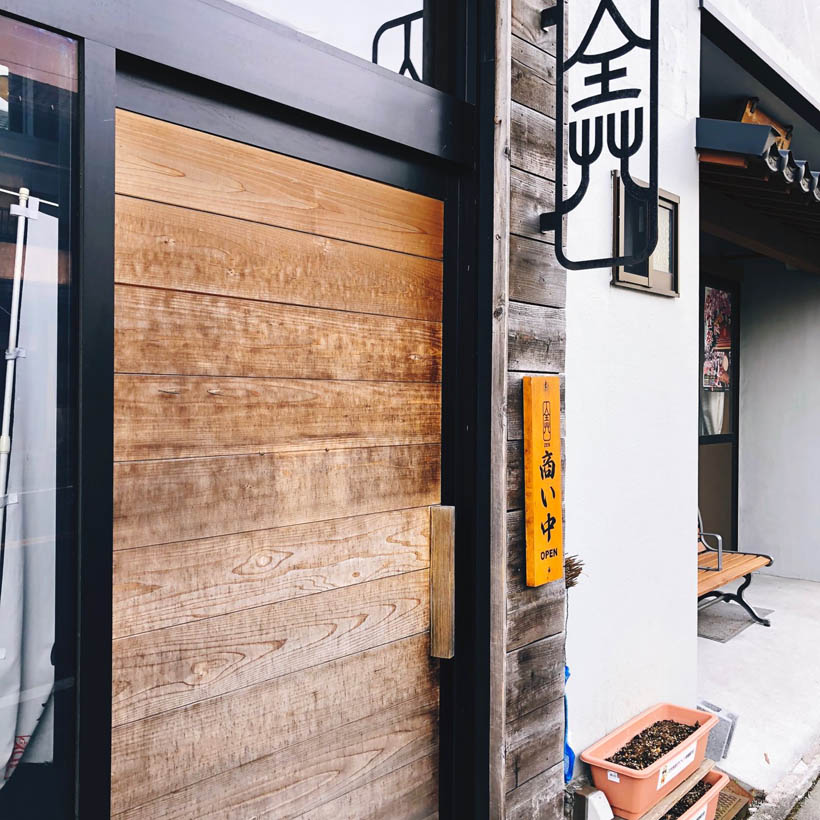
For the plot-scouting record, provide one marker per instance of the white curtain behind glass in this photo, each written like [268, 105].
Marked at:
[27, 600]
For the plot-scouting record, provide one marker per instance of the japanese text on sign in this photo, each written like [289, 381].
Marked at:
[542, 480]
[618, 123]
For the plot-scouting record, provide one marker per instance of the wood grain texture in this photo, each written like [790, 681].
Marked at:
[535, 742]
[172, 333]
[409, 793]
[442, 581]
[537, 338]
[533, 613]
[530, 196]
[297, 781]
[535, 275]
[532, 143]
[515, 403]
[535, 676]
[735, 565]
[515, 475]
[497, 417]
[164, 753]
[170, 247]
[188, 416]
[168, 668]
[534, 617]
[159, 502]
[526, 24]
[541, 798]
[170, 584]
[536, 59]
[164, 162]
[531, 89]
[278, 425]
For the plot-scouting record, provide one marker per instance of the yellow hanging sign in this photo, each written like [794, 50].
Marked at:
[543, 508]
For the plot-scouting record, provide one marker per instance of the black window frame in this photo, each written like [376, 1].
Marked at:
[385, 123]
[711, 279]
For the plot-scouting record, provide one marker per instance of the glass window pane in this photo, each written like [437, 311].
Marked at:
[662, 258]
[635, 228]
[38, 82]
[353, 26]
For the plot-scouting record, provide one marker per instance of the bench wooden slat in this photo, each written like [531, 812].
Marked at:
[735, 565]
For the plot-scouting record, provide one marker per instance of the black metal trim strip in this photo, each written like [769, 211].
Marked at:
[173, 96]
[95, 284]
[234, 48]
[466, 697]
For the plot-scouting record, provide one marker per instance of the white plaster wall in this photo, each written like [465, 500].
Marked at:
[785, 32]
[631, 395]
[779, 471]
[350, 25]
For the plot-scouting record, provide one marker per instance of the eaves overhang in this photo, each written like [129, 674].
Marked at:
[744, 161]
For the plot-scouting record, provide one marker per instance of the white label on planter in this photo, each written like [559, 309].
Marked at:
[676, 765]
[701, 815]
[614, 777]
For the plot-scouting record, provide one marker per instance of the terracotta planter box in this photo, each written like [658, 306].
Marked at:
[632, 792]
[706, 807]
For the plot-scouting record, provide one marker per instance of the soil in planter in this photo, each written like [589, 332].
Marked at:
[687, 801]
[652, 744]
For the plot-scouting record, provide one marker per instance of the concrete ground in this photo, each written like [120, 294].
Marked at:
[809, 808]
[770, 677]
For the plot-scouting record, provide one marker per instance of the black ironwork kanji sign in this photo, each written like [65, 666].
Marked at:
[624, 129]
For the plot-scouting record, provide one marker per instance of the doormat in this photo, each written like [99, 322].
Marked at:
[730, 806]
[723, 621]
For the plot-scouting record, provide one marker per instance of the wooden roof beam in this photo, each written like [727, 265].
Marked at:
[727, 219]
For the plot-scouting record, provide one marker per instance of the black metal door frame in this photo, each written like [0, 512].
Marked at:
[148, 56]
[731, 286]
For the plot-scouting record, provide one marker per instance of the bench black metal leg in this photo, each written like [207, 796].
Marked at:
[711, 595]
[737, 597]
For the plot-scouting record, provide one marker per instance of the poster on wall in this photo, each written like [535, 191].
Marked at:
[717, 340]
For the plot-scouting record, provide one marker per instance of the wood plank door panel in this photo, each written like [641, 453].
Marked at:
[278, 332]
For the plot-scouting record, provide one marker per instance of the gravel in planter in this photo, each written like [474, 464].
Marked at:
[652, 744]
[687, 801]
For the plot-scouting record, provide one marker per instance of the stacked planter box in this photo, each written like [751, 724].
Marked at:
[632, 792]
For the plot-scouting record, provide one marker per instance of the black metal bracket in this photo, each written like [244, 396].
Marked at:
[407, 22]
[549, 17]
[622, 136]
[737, 598]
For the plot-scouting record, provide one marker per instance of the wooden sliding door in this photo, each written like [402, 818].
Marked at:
[277, 447]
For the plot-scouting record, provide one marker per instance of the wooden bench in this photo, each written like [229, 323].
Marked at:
[717, 568]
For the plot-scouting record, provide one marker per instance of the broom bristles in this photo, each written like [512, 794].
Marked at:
[573, 567]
